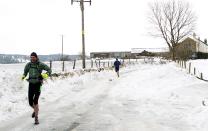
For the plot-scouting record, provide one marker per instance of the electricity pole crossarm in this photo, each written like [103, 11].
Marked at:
[89, 1]
[83, 30]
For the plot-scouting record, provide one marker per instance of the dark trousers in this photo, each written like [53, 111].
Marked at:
[116, 69]
[34, 93]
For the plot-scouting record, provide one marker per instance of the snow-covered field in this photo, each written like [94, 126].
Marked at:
[147, 97]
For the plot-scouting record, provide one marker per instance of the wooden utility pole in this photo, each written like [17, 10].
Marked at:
[62, 52]
[83, 29]
[62, 48]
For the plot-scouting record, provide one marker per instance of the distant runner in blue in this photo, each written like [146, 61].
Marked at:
[117, 66]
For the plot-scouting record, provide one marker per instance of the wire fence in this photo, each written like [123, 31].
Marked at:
[192, 69]
[93, 64]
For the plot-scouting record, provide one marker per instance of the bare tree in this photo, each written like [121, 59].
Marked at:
[173, 20]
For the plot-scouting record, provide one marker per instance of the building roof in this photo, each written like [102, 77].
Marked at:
[153, 50]
[110, 52]
[195, 39]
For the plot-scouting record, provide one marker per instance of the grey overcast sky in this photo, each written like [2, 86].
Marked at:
[111, 25]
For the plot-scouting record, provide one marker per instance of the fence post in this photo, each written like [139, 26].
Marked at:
[96, 63]
[189, 68]
[201, 76]
[194, 71]
[74, 64]
[50, 64]
[91, 63]
[185, 64]
[99, 63]
[63, 66]
[182, 63]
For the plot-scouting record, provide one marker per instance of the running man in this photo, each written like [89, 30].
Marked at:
[117, 66]
[35, 68]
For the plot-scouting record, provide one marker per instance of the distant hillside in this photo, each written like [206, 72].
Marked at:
[9, 58]
[57, 57]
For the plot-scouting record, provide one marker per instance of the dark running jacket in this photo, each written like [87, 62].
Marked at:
[117, 64]
[35, 70]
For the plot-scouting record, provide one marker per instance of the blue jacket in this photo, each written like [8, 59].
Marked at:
[117, 64]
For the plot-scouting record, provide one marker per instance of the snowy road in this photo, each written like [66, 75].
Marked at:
[145, 98]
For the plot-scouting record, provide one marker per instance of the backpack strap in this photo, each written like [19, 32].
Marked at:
[36, 67]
